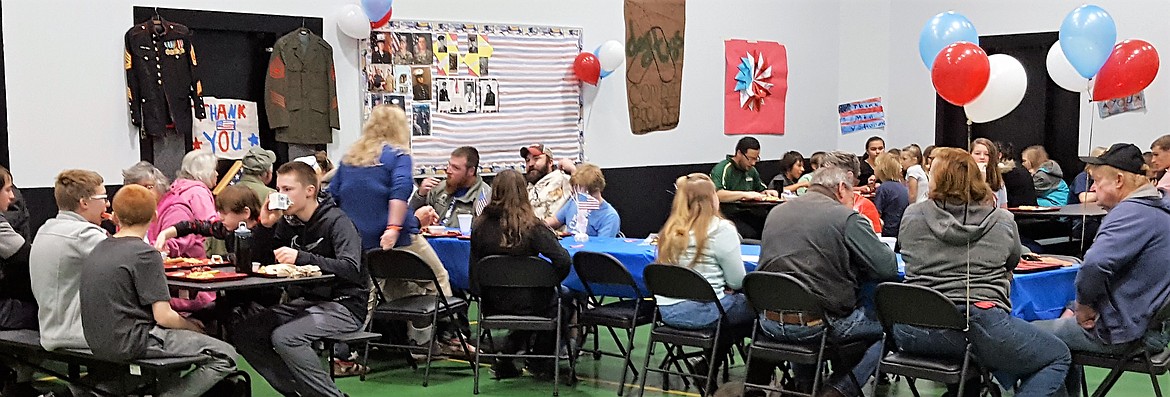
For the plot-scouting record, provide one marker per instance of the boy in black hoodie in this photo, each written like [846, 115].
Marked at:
[278, 341]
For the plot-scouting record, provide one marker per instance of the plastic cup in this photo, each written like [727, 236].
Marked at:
[465, 224]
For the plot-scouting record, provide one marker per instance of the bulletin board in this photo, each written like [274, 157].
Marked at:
[496, 87]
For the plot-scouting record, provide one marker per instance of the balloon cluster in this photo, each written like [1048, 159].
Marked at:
[356, 21]
[1086, 53]
[591, 67]
[987, 87]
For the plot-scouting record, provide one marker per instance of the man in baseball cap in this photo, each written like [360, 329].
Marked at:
[257, 166]
[1124, 280]
[548, 186]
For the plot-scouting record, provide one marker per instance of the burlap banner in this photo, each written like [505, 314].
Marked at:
[654, 63]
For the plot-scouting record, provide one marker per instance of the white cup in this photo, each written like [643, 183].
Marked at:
[465, 224]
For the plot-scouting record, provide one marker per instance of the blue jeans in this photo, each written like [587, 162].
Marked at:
[861, 324]
[697, 315]
[1011, 347]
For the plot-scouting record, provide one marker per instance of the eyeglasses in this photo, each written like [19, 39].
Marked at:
[101, 197]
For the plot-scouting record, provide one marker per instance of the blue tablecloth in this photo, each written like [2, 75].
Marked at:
[1035, 296]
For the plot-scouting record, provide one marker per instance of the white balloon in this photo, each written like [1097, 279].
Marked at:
[1063, 72]
[1005, 89]
[611, 55]
[353, 22]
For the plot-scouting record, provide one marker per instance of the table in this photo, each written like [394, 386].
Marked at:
[250, 282]
[1035, 296]
[748, 216]
[1071, 210]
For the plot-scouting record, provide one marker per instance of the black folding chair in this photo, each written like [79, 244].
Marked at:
[920, 306]
[499, 271]
[420, 309]
[784, 294]
[1138, 359]
[681, 282]
[600, 269]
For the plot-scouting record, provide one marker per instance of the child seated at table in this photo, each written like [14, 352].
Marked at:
[234, 205]
[892, 197]
[1051, 190]
[587, 211]
[124, 303]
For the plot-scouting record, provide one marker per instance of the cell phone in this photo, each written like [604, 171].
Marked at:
[278, 201]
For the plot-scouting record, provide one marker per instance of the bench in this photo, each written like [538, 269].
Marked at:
[24, 347]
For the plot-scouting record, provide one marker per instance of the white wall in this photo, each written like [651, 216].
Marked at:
[66, 106]
[910, 104]
[66, 91]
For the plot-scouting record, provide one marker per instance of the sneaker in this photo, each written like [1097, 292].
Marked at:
[452, 348]
[505, 370]
[418, 355]
[342, 368]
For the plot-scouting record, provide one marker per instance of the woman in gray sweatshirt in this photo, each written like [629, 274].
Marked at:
[961, 245]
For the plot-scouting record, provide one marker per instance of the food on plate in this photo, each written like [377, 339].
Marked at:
[216, 260]
[182, 261]
[199, 273]
[286, 270]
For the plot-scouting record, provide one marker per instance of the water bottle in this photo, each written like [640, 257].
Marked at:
[242, 254]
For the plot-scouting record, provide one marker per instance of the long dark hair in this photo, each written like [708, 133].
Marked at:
[510, 207]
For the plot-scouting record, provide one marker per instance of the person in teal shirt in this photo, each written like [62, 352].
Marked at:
[601, 219]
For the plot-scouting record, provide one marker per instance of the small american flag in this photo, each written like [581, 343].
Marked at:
[482, 200]
[589, 204]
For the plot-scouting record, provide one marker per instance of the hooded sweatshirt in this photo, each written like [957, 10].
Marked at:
[1051, 190]
[1124, 275]
[55, 260]
[330, 241]
[948, 246]
[187, 200]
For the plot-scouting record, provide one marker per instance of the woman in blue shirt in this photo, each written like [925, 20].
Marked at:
[599, 218]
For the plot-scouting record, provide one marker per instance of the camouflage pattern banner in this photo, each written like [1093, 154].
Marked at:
[654, 63]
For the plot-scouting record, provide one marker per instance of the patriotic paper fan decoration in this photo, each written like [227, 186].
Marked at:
[752, 81]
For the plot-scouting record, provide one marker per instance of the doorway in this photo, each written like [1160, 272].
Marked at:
[1048, 115]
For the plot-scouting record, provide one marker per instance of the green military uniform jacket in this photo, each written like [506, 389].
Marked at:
[301, 89]
[254, 183]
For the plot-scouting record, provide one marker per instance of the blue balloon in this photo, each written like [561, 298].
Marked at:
[943, 30]
[1087, 36]
[376, 9]
[605, 73]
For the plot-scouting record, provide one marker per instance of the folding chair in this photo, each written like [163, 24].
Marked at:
[603, 270]
[681, 282]
[404, 265]
[920, 306]
[1138, 359]
[499, 271]
[784, 294]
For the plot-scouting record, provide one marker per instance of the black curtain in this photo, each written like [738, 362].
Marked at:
[1048, 115]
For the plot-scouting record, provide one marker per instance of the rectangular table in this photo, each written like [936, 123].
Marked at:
[1071, 210]
[250, 282]
[1034, 296]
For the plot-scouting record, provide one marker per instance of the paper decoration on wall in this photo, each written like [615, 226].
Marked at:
[230, 129]
[755, 87]
[493, 86]
[1118, 106]
[479, 52]
[654, 63]
[866, 114]
[753, 81]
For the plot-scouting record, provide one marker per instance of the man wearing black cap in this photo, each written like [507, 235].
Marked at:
[1124, 280]
[548, 186]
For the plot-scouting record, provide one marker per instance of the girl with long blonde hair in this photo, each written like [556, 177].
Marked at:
[697, 236]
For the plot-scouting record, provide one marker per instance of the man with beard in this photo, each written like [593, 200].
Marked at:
[464, 191]
[548, 187]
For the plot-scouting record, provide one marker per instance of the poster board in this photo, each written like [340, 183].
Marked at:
[496, 87]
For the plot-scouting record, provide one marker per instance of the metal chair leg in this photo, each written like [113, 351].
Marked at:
[646, 367]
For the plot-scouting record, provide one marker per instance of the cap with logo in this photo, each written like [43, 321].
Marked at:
[1123, 156]
[536, 149]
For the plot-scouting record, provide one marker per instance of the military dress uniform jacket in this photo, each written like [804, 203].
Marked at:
[162, 79]
[301, 87]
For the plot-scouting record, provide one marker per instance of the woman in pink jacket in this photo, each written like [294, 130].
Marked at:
[188, 199]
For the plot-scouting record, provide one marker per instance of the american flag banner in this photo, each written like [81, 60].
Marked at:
[588, 204]
[865, 114]
[496, 87]
[485, 195]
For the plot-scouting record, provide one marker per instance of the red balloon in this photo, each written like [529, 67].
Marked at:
[382, 22]
[587, 68]
[1130, 68]
[961, 72]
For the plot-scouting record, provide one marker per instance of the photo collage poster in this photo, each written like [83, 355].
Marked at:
[491, 86]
